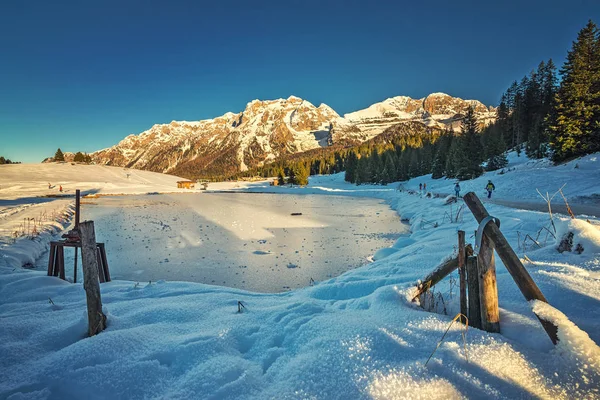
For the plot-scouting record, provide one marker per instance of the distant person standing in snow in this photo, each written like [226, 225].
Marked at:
[420, 187]
[60, 188]
[490, 187]
[457, 190]
[425, 187]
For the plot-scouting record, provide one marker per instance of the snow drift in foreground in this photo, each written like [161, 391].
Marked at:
[354, 336]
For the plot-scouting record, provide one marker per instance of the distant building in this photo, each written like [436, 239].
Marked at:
[186, 184]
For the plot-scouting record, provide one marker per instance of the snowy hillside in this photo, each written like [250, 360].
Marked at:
[351, 337]
[28, 180]
[224, 145]
[436, 110]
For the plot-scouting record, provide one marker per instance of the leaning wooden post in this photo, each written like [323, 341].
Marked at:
[488, 289]
[510, 260]
[462, 272]
[96, 319]
[474, 301]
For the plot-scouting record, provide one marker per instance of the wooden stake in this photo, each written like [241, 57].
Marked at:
[473, 285]
[488, 289]
[462, 272]
[75, 266]
[510, 260]
[96, 319]
[77, 207]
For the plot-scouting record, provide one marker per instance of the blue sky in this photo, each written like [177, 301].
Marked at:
[82, 75]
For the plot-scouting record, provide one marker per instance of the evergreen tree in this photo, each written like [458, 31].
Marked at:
[280, 177]
[441, 154]
[301, 175]
[375, 167]
[469, 150]
[59, 156]
[79, 157]
[576, 123]
[389, 168]
[351, 164]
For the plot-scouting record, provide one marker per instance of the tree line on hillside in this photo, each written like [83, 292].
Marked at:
[536, 114]
[7, 161]
[78, 157]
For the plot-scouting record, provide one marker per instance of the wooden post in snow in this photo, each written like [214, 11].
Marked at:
[474, 301]
[510, 260]
[462, 272]
[96, 319]
[488, 289]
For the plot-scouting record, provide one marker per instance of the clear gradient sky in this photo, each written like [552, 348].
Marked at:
[82, 75]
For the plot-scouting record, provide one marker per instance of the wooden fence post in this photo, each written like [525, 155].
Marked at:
[462, 272]
[96, 319]
[473, 284]
[488, 289]
[510, 260]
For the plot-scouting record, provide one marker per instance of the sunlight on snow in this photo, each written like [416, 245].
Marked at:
[248, 221]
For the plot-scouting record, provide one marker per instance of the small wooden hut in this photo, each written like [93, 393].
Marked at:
[186, 184]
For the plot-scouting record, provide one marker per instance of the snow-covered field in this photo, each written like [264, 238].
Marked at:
[353, 336]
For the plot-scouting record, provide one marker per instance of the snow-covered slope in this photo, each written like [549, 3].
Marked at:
[356, 336]
[29, 180]
[269, 129]
[436, 110]
[263, 131]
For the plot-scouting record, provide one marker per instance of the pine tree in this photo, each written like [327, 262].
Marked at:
[469, 150]
[79, 157]
[576, 123]
[375, 167]
[351, 164]
[280, 177]
[301, 175]
[59, 156]
[389, 168]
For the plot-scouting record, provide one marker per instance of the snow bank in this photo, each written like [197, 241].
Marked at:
[580, 355]
[585, 233]
[354, 336]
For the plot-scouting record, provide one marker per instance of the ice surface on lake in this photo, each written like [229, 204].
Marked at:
[248, 241]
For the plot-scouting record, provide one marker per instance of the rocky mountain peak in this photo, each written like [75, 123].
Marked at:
[268, 129]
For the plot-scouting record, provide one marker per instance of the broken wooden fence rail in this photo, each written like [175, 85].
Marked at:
[511, 261]
[443, 270]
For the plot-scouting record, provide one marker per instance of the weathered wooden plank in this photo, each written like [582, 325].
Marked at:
[101, 276]
[77, 207]
[437, 275]
[512, 263]
[462, 272]
[488, 289]
[75, 265]
[473, 285]
[89, 251]
[61, 262]
[51, 259]
[104, 262]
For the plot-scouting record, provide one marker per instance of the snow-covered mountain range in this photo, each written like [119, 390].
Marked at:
[266, 130]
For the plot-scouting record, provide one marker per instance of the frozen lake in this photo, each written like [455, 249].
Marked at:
[241, 240]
